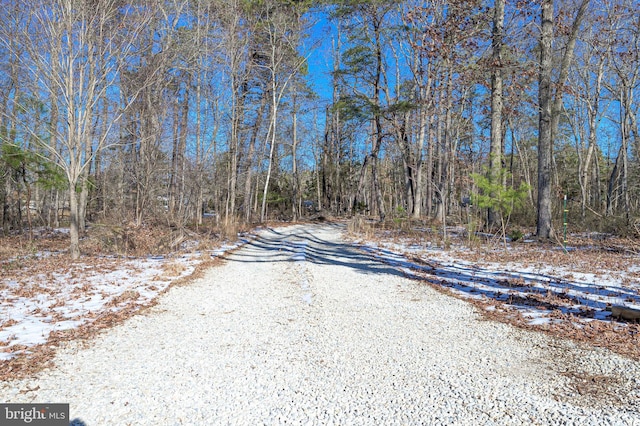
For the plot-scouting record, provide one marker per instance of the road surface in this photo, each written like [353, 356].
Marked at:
[300, 327]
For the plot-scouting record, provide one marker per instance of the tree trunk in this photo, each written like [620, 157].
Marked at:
[249, 160]
[625, 124]
[272, 129]
[199, 157]
[612, 186]
[294, 154]
[585, 166]
[495, 154]
[182, 155]
[544, 229]
[173, 179]
[377, 141]
[236, 114]
[74, 245]
[422, 134]
[550, 108]
[84, 197]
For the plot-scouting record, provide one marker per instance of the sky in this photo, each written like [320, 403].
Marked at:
[319, 48]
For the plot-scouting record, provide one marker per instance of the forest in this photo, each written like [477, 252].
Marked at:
[497, 115]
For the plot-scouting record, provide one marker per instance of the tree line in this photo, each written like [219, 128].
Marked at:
[170, 111]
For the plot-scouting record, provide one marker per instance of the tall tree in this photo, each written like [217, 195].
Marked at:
[73, 57]
[550, 104]
[278, 32]
[545, 141]
[363, 71]
[496, 147]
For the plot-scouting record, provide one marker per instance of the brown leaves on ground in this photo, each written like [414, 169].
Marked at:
[40, 269]
[609, 258]
[622, 338]
[597, 387]
[173, 269]
[127, 296]
[40, 356]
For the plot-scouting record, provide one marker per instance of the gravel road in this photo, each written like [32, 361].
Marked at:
[299, 327]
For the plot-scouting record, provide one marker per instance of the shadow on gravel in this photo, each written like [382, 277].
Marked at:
[523, 290]
[302, 245]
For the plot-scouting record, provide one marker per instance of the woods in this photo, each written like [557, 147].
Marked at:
[176, 112]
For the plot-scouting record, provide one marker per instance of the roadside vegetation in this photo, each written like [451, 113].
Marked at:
[587, 289]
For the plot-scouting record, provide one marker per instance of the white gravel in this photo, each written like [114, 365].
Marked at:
[300, 328]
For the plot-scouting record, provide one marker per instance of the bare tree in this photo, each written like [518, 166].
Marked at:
[550, 104]
[587, 81]
[496, 150]
[279, 26]
[73, 56]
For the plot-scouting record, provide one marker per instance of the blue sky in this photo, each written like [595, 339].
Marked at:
[320, 61]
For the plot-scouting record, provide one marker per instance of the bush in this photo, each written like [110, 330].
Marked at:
[516, 234]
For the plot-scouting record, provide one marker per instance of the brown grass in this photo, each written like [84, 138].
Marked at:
[173, 269]
[18, 260]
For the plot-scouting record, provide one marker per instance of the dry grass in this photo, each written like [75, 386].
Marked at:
[120, 239]
[173, 269]
[361, 226]
[46, 255]
[127, 296]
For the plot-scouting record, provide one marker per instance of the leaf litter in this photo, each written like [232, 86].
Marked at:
[565, 293]
[45, 299]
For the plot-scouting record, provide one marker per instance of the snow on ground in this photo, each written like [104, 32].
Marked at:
[72, 295]
[538, 292]
[68, 296]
